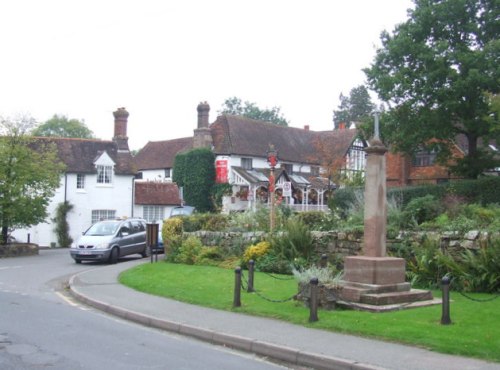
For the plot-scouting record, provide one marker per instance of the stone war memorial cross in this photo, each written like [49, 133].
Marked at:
[373, 281]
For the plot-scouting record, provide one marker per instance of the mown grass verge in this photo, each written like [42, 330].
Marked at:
[475, 331]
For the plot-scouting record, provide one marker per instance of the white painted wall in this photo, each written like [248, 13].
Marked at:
[116, 196]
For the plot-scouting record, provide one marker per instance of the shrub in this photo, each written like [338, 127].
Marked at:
[210, 256]
[273, 264]
[189, 250]
[255, 252]
[425, 269]
[343, 200]
[313, 219]
[421, 209]
[171, 233]
[216, 222]
[295, 241]
[324, 275]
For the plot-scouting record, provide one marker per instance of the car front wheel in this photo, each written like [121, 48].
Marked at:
[113, 257]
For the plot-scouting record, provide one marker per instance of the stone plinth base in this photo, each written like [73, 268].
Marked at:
[374, 270]
[378, 284]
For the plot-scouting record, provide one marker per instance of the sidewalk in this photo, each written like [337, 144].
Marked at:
[291, 343]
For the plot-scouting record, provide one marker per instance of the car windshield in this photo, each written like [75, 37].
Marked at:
[103, 228]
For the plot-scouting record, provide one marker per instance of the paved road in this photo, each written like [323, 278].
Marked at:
[42, 327]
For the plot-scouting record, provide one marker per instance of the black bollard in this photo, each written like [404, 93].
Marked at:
[313, 302]
[251, 265]
[237, 287]
[323, 261]
[445, 285]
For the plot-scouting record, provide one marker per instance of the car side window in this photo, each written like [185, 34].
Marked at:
[126, 228]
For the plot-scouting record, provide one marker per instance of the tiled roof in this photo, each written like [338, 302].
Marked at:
[157, 193]
[79, 155]
[161, 154]
[236, 135]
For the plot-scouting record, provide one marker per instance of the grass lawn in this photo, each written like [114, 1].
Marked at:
[475, 329]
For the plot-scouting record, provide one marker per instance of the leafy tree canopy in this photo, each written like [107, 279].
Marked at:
[61, 126]
[235, 107]
[436, 72]
[29, 175]
[353, 108]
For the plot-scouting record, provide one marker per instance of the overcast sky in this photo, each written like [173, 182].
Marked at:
[160, 58]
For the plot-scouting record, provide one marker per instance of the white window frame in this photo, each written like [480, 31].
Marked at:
[80, 181]
[104, 174]
[153, 213]
[102, 214]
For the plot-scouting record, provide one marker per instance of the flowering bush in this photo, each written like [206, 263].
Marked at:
[254, 252]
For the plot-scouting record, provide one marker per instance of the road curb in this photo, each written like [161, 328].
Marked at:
[277, 352]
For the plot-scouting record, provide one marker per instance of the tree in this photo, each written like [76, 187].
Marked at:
[29, 175]
[355, 108]
[235, 107]
[436, 72]
[61, 126]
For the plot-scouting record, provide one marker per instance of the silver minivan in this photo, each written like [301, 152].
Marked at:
[108, 240]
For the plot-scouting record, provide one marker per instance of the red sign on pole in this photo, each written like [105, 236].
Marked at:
[221, 171]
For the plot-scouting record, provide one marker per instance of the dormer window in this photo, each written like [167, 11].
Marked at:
[246, 163]
[104, 174]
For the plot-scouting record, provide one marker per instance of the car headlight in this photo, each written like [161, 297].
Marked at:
[101, 245]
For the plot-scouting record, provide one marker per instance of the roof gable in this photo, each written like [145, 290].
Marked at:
[161, 154]
[80, 155]
[236, 135]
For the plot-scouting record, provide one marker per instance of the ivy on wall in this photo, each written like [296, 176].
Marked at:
[195, 172]
[61, 224]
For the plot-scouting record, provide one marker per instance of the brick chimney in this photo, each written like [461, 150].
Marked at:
[342, 126]
[306, 127]
[120, 134]
[202, 134]
[203, 110]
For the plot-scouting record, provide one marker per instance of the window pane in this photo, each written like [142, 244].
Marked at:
[104, 174]
[153, 213]
[80, 181]
[102, 214]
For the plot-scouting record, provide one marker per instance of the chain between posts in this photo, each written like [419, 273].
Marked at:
[244, 286]
[472, 298]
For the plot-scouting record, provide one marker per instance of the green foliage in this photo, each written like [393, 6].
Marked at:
[61, 224]
[313, 219]
[425, 269]
[343, 200]
[476, 271]
[353, 108]
[211, 256]
[422, 209]
[61, 126]
[194, 171]
[433, 71]
[188, 251]
[294, 242]
[234, 107]
[29, 175]
[218, 192]
[325, 275]
[470, 270]
[180, 170]
[483, 190]
[172, 231]
[272, 263]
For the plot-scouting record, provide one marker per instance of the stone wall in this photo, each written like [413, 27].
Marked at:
[340, 244]
[18, 250]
